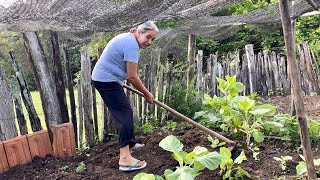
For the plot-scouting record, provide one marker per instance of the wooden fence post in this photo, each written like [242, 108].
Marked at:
[26, 95]
[48, 90]
[80, 111]
[58, 77]
[71, 93]
[87, 96]
[310, 69]
[19, 110]
[199, 73]
[251, 67]
[7, 120]
[214, 74]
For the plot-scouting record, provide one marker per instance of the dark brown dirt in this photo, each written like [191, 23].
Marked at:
[102, 161]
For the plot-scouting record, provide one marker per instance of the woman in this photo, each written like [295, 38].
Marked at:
[118, 62]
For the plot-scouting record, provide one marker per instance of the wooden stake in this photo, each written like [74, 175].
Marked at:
[297, 95]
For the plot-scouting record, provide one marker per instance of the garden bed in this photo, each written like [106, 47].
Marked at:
[101, 162]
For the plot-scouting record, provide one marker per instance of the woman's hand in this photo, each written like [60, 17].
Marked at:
[149, 97]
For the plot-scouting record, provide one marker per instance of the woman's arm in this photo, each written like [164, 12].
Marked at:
[132, 76]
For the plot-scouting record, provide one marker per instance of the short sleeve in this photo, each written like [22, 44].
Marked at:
[131, 55]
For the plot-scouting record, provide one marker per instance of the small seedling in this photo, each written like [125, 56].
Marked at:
[81, 168]
[283, 160]
[215, 142]
[64, 168]
[227, 165]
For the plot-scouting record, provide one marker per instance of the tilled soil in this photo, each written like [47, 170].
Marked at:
[102, 161]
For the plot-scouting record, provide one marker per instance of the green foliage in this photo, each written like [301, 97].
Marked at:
[308, 30]
[236, 113]
[169, 24]
[301, 168]
[147, 128]
[145, 176]
[81, 168]
[283, 125]
[227, 165]
[283, 161]
[261, 38]
[187, 101]
[206, 44]
[314, 130]
[171, 125]
[100, 40]
[244, 7]
[215, 142]
[190, 164]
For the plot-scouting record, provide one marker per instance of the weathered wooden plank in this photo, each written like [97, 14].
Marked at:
[251, 67]
[26, 95]
[71, 93]
[7, 119]
[310, 70]
[87, 96]
[214, 74]
[199, 73]
[58, 77]
[19, 110]
[80, 111]
[48, 92]
[191, 56]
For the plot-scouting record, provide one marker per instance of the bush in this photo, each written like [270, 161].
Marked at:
[187, 101]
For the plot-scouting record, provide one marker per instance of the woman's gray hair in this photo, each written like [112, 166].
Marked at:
[147, 26]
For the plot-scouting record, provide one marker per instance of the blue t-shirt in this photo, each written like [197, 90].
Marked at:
[111, 66]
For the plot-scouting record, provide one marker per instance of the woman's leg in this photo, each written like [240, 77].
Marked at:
[114, 97]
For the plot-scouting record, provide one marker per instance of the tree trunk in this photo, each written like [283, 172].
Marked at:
[58, 77]
[48, 90]
[26, 95]
[7, 120]
[71, 93]
[297, 95]
[87, 96]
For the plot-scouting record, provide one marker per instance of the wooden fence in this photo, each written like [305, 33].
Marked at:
[263, 72]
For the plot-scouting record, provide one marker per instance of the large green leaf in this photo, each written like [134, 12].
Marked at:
[171, 143]
[144, 176]
[199, 150]
[179, 158]
[210, 161]
[225, 153]
[184, 173]
[266, 110]
[213, 118]
[258, 136]
[239, 87]
[240, 158]
[199, 114]
[268, 106]
[225, 157]
[167, 173]
[301, 168]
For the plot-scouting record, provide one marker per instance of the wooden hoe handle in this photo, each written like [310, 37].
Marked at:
[203, 128]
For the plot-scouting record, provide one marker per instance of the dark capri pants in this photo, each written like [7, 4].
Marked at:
[116, 100]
